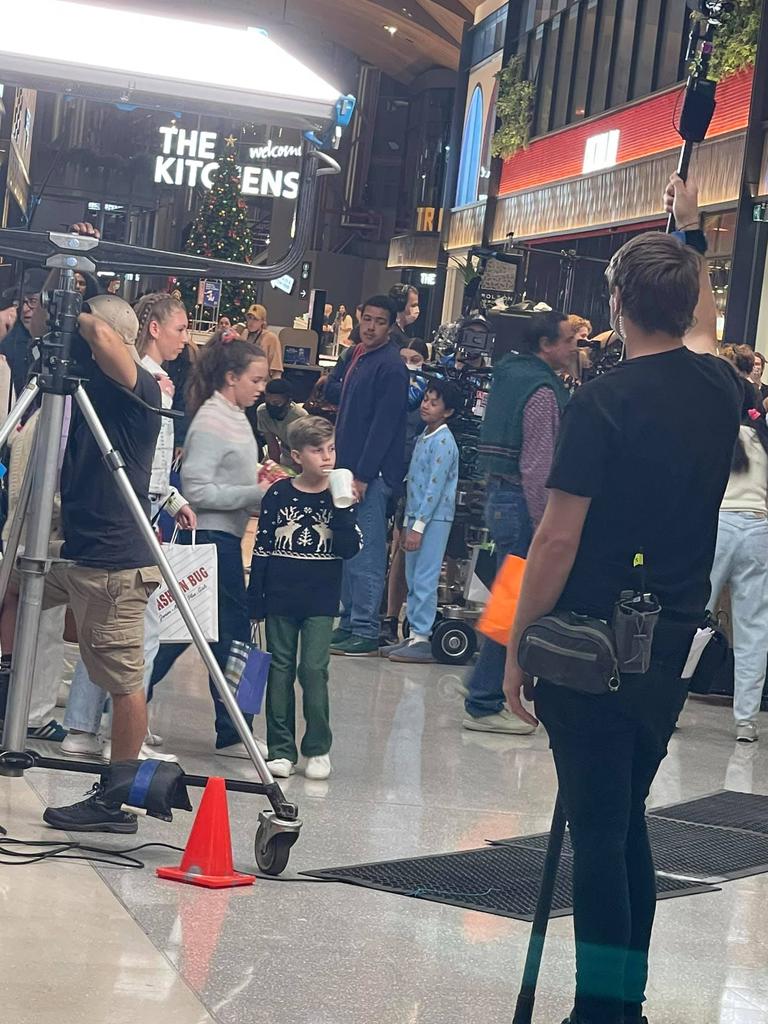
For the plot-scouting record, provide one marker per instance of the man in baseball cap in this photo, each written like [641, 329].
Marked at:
[107, 548]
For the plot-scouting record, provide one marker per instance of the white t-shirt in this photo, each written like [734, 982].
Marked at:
[160, 482]
[748, 491]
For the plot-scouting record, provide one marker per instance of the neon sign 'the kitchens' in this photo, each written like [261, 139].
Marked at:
[189, 159]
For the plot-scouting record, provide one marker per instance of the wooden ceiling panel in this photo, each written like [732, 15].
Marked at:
[428, 31]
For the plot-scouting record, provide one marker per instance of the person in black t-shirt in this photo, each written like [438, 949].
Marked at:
[642, 462]
[113, 574]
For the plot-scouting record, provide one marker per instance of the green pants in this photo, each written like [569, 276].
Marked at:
[283, 637]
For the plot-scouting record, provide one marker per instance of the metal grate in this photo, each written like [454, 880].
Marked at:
[501, 880]
[745, 811]
[723, 836]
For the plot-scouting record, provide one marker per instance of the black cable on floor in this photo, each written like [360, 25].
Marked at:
[56, 849]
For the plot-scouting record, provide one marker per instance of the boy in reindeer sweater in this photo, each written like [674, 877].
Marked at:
[295, 585]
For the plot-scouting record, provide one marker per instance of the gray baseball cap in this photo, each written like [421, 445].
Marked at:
[119, 315]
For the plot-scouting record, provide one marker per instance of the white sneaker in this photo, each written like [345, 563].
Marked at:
[239, 750]
[281, 768]
[145, 754]
[83, 744]
[747, 732]
[505, 721]
[153, 740]
[318, 768]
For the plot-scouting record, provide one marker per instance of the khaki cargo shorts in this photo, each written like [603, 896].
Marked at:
[108, 606]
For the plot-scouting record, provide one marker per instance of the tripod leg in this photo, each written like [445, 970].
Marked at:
[33, 567]
[17, 522]
[527, 996]
[114, 461]
[23, 402]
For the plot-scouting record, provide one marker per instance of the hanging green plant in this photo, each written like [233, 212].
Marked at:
[514, 108]
[736, 39]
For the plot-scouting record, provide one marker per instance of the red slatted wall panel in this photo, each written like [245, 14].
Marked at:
[646, 128]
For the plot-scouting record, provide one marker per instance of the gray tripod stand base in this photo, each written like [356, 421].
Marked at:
[279, 828]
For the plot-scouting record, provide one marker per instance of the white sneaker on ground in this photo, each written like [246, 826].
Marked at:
[281, 768]
[83, 744]
[505, 721]
[153, 740]
[238, 750]
[747, 732]
[318, 768]
[145, 754]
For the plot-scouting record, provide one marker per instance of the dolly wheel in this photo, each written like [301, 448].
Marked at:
[272, 856]
[453, 642]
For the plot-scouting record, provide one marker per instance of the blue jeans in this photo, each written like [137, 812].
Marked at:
[422, 571]
[234, 624]
[87, 700]
[741, 560]
[511, 530]
[362, 584]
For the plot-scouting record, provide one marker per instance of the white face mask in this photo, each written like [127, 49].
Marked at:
[413, 367]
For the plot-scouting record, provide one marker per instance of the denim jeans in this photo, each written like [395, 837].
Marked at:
[607, 750]
[511, 530]
[234, 624]
[362, 584]
[741, 560]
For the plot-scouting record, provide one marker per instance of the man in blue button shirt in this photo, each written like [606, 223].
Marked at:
[370, 441]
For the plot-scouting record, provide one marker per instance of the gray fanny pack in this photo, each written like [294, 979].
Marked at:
[571, 650]
[590, 655]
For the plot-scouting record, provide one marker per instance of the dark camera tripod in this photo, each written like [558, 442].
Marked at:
[59, 378]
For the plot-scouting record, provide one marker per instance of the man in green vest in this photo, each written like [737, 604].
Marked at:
[517, 445]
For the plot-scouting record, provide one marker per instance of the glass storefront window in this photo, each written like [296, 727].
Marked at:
[488, 36]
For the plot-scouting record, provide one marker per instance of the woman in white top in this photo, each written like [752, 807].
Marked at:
[163, 333]
[343, 326]
[741, 561]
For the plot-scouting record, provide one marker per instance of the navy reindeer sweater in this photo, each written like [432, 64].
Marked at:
[296, 567]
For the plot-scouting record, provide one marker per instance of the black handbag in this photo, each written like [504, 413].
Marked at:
[571, 650]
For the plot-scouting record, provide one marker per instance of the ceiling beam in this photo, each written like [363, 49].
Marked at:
[453, 7]
[418, 17]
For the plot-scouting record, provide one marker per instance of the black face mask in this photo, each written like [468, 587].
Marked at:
[277, 412]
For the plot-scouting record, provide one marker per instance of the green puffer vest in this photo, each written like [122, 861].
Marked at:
[514, 381]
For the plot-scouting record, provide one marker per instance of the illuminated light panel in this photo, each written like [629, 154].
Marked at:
[61, 42]
[601, 151]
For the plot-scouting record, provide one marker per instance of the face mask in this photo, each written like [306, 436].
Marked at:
[413, 367]
[277, 412]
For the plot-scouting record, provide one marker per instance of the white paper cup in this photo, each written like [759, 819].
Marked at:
[342, 493]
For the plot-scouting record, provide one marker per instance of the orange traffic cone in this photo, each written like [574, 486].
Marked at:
[207, 859]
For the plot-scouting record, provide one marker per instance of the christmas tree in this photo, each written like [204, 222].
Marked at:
[221, 231]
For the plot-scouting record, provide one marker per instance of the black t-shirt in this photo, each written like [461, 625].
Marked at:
[650, 442]
[99, 529]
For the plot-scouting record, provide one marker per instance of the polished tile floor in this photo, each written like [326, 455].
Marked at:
[407, 781]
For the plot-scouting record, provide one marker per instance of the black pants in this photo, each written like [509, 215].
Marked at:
[607, 750]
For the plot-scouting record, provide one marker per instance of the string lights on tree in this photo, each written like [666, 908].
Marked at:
[221, 231]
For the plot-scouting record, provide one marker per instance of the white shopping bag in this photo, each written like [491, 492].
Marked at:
[196, 570]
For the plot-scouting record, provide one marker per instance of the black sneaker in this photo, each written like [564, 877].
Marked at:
[91, 815]
[388, 633]
[52, 732]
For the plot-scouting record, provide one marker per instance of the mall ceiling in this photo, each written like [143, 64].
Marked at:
[428, 32]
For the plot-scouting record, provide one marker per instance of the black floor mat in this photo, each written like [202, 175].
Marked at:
[745, 811]
[715, 838]
[501, 880]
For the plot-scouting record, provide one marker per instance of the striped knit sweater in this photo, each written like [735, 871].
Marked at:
[221, 467]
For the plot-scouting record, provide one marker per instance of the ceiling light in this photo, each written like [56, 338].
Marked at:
[391, 29]
[145, 57]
